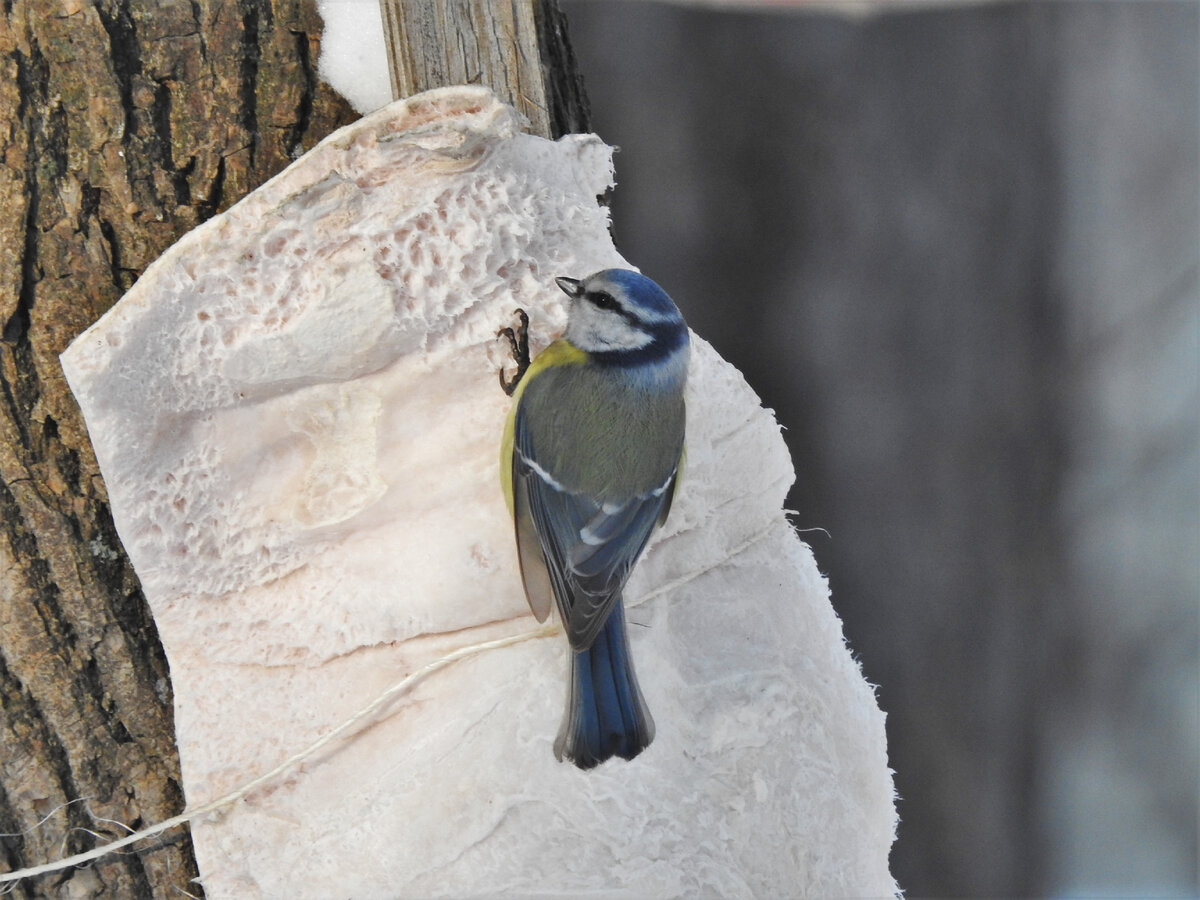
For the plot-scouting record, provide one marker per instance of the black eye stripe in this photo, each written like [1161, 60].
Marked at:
[602, 300]
[607, 302]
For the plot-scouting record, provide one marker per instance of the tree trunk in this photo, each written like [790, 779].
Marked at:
[124, 125]
[519, 50]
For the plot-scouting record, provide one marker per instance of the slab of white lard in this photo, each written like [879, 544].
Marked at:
[297, 415]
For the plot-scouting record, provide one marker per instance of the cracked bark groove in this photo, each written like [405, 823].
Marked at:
[123, 124]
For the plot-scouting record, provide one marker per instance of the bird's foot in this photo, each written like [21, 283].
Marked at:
[518, 340]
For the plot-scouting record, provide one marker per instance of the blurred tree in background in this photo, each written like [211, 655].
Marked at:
[957, 250]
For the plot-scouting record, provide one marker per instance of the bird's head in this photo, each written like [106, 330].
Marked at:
[619, 312]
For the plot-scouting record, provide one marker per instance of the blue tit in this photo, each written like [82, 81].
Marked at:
[591, 453]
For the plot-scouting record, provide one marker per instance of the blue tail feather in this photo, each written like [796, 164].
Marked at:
[606, 715]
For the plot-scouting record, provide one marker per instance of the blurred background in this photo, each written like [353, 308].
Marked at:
[957, 249]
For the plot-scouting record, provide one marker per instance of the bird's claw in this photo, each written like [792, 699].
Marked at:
[518, 340]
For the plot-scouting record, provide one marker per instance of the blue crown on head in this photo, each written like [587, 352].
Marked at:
[642, 291]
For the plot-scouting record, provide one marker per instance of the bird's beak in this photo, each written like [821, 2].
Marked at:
[572, 287]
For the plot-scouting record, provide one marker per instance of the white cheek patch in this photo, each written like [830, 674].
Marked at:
[594, 330]
[613, 333]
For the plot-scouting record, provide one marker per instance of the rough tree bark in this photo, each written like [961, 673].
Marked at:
[125, 124]
[519, 50]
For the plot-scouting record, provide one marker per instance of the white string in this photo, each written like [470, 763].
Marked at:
[400, 686]
[44, 819]
[234, 796]
[669, 586]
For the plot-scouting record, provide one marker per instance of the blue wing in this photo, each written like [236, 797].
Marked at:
[588, 547]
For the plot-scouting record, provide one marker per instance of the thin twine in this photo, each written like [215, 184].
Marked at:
[399, 687]
[234, 796]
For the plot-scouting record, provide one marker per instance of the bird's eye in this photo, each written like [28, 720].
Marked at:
[602, 300]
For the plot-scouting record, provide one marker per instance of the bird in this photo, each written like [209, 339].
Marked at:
[590, 459]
